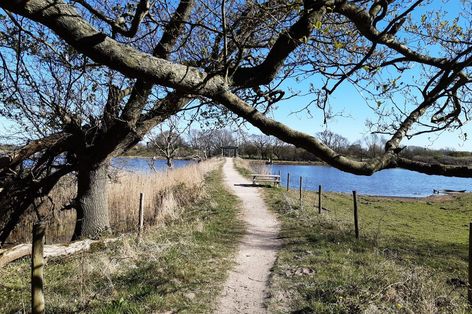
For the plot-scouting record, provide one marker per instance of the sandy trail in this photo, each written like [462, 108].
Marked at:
[244, 290]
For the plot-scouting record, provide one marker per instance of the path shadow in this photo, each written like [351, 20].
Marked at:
[262, 240]
[250, 185]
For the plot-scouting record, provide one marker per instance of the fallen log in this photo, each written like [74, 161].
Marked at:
[54, 250]
[14, 253]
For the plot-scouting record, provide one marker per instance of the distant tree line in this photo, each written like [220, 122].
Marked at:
[268, 147]
[172, 142]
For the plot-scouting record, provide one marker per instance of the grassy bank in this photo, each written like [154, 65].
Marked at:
[179, 266]
[411, 256]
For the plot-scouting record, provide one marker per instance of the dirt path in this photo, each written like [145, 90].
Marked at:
[244, 290]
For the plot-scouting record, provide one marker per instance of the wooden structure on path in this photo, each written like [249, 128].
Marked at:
[229, 151]
[272, 178]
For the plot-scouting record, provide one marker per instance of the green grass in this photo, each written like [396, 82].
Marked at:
[177, 267]
[411, 257]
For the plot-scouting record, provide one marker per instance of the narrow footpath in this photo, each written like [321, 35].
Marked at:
[245, 288]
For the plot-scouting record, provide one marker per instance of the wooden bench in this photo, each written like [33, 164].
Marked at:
[275, 179]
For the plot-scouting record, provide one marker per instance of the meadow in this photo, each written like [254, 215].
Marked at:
[411, 256]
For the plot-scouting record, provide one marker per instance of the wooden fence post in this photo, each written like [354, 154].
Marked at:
[469, 286]
[37, 268]
[301, 182]
[319, 199]
[141, 213]
[288, 181]
[356, 221]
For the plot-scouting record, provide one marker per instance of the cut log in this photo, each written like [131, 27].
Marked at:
[15, 253]
[55, 250]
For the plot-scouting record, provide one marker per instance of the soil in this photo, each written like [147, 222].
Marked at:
[245, 288]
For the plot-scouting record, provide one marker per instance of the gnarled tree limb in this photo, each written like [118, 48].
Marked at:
[65, 21]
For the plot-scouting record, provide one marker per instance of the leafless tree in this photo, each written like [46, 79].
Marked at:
[221, 138]
[412, 70]
[168, 140]
[333, 140]
[263, 145]
[79, 112]
[203, 142]
[374, 145]
[278, 147]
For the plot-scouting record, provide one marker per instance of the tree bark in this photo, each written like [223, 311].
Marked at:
[92, 200]
[169, 162]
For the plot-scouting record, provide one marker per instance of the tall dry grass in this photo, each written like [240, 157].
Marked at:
[253, 166]
[165, 193]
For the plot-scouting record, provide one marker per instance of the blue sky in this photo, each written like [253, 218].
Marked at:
[348, 100]
[352, 125]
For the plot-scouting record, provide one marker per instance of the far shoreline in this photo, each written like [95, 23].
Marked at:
[157, 157]
[290, 162]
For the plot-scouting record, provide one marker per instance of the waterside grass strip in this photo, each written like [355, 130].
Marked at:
[411, 258]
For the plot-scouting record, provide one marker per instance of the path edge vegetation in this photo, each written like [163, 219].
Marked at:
[322, 268]
[178, 266]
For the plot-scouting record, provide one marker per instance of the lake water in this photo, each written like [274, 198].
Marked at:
[142, 164]
[389, 182]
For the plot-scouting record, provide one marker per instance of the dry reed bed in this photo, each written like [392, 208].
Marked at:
[252, 166]
[164, 194]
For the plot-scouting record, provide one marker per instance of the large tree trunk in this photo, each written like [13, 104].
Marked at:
[92, 200]
[169, 162]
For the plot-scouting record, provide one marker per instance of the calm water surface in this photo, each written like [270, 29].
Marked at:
[142, 164]
[389, 182]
